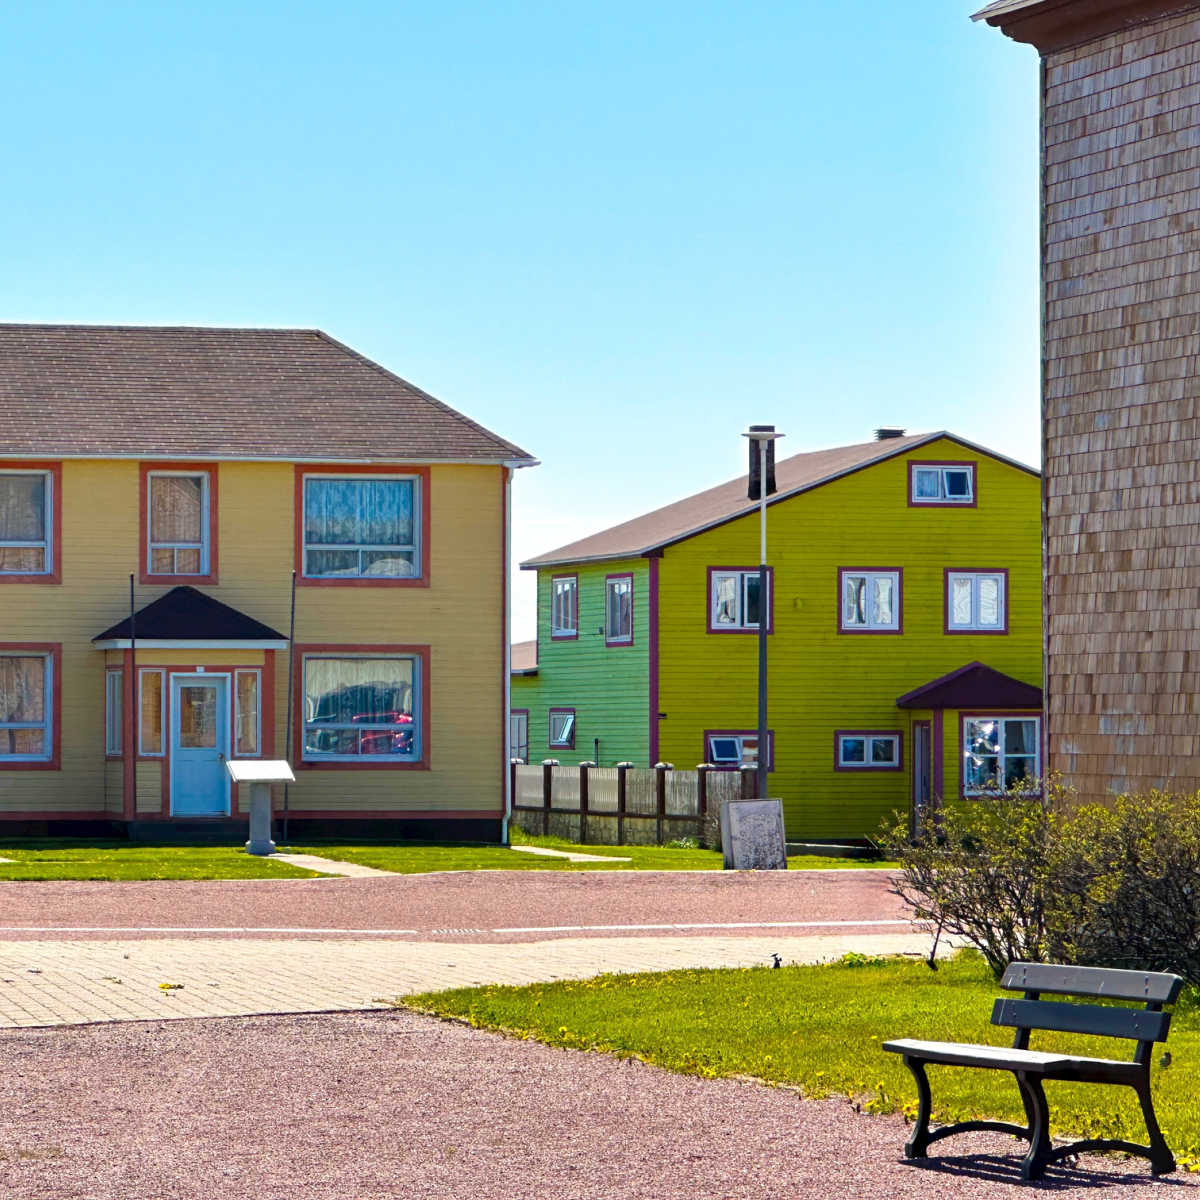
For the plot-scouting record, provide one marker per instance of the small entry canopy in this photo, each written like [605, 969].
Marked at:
[188, 618]
[973, 686]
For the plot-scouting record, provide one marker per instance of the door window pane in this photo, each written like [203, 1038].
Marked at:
[198, 717]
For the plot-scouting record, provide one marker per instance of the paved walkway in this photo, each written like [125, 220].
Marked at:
[62, 982]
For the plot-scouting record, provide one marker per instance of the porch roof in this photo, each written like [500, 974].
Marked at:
[973, 686]
[189, 616]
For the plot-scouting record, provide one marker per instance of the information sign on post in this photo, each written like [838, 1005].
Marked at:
[260, 774]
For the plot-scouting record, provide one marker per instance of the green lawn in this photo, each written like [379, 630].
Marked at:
[73, 858]
[408, 859]
[819, 1029]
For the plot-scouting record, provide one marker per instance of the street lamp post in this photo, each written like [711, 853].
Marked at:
[761, 438]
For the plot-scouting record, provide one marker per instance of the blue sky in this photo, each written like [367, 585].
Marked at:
[616, 234]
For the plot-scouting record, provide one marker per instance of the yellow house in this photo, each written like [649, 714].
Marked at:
[169, 498]
[903, 616]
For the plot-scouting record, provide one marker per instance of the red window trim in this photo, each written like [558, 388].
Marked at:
[742, 733]
[54, 650]
[983, 714]
[355, 650]
[145, 469]
[54, 469]
[913, 463]
[564, 637]
[550, 743]
[752, 630]
[620, 642]
[868, 768]
[851, 632]
[336, 470]
[958, 632]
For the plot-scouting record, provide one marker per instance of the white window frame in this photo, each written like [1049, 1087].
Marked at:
[372, 760]
[47, 724]
[363, 547]
[974, 624]
[739, 738]
[237, 713]
[517, 747]
[611, 583]
[868, 737]
[175, 547]
[46, 544]
[1001, 757]
[114, 713]
[942, 471]
[742, 578]
[560, 628]
[566, 738]
[162, 712]
[872, 624]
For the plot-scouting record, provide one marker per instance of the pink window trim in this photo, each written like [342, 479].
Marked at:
[550, 715]
[914, 463]
[898, 765]
[899, 573]
[742, 733]
[742, 629]
[630, 639]
[947, 628]
[564, 637]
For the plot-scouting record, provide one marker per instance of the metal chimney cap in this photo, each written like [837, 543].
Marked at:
[762, 433]
[887, 432]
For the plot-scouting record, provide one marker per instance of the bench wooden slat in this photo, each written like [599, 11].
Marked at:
[1150, 987]
[969, 1054]
[1082, 1018]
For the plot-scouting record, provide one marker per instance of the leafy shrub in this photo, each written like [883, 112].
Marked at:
[1048, 880]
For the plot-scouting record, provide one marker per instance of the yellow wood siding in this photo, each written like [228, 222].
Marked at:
[459, 616]
[149, 788]
[822, 681]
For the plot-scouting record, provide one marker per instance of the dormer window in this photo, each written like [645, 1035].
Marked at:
[941, 484]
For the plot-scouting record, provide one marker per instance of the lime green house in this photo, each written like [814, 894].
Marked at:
[904, 628]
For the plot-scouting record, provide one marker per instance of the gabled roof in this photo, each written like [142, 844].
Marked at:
[522, 658]
[727, 501]
[973, 686]
[1056, 24]
[185, 614]
[96, 391]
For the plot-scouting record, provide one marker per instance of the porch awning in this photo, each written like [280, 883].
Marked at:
[188, 619]
[973, 686]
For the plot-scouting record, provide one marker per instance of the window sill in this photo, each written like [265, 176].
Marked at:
[150, 579]
[359, 581]
[40, 577]
[359, 765]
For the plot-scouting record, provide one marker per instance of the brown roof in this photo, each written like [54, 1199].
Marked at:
[522, 658]
[174, 392]
[1056, 24]
[727, 501]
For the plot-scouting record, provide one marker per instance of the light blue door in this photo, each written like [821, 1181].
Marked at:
[199, 745]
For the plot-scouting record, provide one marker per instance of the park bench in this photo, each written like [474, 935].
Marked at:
[1032, 1067]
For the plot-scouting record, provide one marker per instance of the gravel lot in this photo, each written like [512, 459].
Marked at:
[367, 1106]
[462, 904]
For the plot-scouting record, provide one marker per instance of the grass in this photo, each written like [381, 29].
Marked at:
[410, 859]
[819, 1029]
[73, 858]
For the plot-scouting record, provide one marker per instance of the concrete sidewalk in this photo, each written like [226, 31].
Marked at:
[78, 982]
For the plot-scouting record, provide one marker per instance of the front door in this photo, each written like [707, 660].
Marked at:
[199, 745]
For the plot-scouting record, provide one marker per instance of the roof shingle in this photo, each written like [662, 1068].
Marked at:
[209, 393]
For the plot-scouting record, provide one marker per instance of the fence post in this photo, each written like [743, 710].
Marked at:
[660, 796]
[702, 770]
[548, 765]
[584, 768]
[749, 776]
[622, 767]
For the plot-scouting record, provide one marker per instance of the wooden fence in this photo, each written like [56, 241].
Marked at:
[622, 805]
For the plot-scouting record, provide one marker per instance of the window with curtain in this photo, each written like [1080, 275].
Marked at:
[246, 714]
[25, 508]
[976, 601]
[26, 681]
[870, 601]
[734, 600]
[618, 609]
[942, 483]
[178, 512]
[1000, 753]
[361, 528]
[150, 721]
[361, 709]
[564, 606]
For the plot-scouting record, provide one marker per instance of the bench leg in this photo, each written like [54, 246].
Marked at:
[1033, 1097]
[918, 1143]
[1162, 1161]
